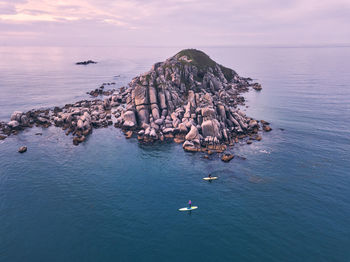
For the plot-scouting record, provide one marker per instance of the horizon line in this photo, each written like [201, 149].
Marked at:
[189, 45]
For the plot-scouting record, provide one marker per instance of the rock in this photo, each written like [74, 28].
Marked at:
[267, 128]
[264, 122]
[13, 124]
[210, 128]
[182, 127]
[208, 112]
[178, 140]
[78, 139]
[86, 62]
[249, 142]
[227, 157]
[257, 86]
[80, 124]
[128, 134]
[168, 130]
[16, 116]
[153, 133]
[129, 119]
[187, 143]
[253, 123]
[192, 134]
[159, 121]
[2, 137]
[42, 120]
[190, 146]
[22, 149]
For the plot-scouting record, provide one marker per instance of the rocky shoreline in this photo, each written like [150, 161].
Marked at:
[188, 98]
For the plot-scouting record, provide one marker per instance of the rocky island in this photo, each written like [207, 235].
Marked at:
[86, 62]
[189, 98]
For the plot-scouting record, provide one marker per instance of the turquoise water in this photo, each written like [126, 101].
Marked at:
[111, 199]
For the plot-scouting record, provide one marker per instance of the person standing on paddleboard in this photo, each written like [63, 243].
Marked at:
[189, 204]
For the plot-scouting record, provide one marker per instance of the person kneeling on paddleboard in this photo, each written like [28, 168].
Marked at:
[209, 175]
[189, 204]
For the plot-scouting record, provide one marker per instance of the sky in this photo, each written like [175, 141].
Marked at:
[175, 22]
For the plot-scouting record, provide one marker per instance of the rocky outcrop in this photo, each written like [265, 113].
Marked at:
[86, 62]
[188, 98]
[191, 98]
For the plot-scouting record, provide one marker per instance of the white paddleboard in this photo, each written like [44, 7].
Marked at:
[210, 178]
[187, 208]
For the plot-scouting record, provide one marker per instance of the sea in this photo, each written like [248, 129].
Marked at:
[285, 198]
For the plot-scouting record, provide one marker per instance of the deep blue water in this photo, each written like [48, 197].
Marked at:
[111, 199]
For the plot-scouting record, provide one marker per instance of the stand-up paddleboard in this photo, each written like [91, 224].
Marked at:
[188, 209]
[210, 178]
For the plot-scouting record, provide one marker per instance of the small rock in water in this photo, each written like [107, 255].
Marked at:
[86, 62]
[227, 157]
[264, 122]
[128, 134]
[267, 128]
[22, 149]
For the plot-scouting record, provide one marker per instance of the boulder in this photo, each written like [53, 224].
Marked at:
[159, 121]
[13, 124]
[264, 122]
[16, 116]
[182, 128]
[140, 95]
[187, 143]
[128, 134]
[253, 123]
[208, 112]
[227, 157]
[267, 128]
[80, 124]
[22, 149]
[192, 134]
[210, 128]
[142, 114]
[129, 119]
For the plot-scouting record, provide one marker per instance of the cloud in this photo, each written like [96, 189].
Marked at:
[169, 22]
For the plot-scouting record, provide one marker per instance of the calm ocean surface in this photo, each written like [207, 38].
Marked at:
[111, 199]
